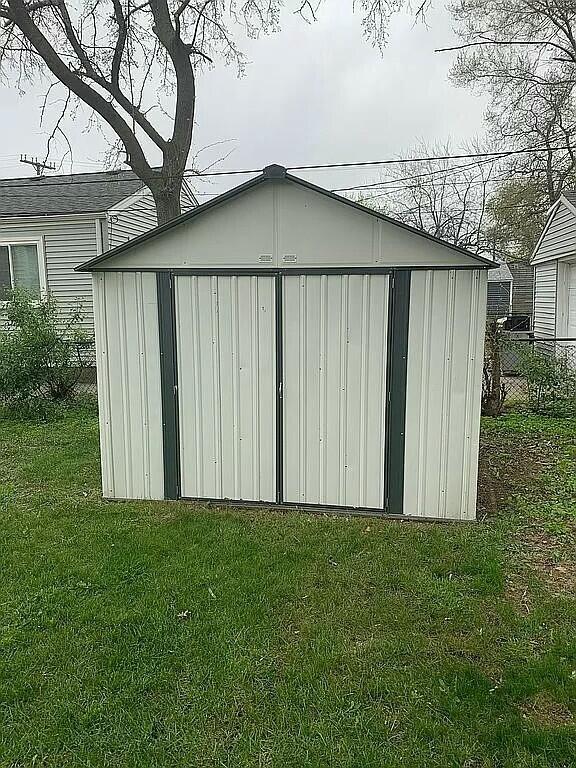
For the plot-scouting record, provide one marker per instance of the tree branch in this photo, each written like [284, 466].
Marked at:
[74, 83]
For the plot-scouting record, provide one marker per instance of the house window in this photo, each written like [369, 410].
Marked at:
[19, 268]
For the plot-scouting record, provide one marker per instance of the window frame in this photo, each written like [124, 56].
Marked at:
[8, 242]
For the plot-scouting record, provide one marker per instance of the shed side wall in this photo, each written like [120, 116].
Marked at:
[444, 383]
[545, 298]
[129, 395]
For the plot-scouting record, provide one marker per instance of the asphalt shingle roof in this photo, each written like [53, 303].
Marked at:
[74, 193]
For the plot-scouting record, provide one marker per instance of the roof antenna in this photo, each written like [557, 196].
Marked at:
[38, 165]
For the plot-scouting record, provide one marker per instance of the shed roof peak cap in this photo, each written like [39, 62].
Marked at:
[274, 171]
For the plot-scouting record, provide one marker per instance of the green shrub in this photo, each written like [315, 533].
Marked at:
[43, 352]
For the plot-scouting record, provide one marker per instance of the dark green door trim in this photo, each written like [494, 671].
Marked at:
[396, 377]
[168, 383]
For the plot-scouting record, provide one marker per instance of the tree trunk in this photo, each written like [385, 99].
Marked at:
[167, 200]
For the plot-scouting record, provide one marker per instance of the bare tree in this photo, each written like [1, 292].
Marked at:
[522, 53]
[119, 56]
[543, 118]
[445, 198]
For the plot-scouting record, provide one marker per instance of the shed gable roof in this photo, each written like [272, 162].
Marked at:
[274, 174]
[67, 194]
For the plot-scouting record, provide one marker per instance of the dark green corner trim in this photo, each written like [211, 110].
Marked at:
[168, 383]
[396, 376]
[279, 342]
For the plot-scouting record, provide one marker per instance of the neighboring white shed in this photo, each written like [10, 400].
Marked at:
[283, 345]
[554, 262]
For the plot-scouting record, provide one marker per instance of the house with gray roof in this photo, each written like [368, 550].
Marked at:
[51, 224]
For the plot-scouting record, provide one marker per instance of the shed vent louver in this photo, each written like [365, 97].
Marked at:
[266, 258]
[290, 258]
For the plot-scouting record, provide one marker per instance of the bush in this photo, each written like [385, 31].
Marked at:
[550, 379]
[43, 352]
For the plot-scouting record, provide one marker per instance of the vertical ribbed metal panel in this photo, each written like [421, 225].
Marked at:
[227, 387]
[445, 352]
[335, 343]
[128, 363]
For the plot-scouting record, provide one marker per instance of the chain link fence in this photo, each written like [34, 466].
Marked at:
[537, 374]
[85, 373]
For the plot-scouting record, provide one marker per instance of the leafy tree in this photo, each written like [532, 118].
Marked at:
[523, 54]
[119, 57]
[517, 213]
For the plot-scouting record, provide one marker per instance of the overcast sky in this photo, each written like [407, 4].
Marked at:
[311, 94]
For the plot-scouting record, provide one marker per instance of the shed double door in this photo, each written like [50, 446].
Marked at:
[282, 388]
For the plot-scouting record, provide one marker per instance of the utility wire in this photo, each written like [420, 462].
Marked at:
[191, 174]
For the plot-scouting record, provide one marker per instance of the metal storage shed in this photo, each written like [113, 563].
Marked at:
[283, 345]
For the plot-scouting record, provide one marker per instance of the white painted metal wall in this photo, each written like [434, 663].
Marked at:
[129, 396]
[445, 354]
[335, 339]
[282, 224]
[227, 386]
[334, 359]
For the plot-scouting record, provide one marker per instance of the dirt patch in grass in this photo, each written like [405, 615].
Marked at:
[543, 711]
[549, 556]
[528, 479]
[508, 464]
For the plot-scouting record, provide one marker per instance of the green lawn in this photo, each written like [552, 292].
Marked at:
[148, 634]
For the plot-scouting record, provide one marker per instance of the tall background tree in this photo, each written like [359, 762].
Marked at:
[119, 56]
[523, 54]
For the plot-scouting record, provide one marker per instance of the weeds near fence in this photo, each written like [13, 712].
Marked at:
[493, 388]
[544, 375]
[550, 376]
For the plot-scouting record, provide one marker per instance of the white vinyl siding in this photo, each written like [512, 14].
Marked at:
[559, 239]
[135, 216]
[129, 395]
[67, 243]
[571, 303]
[545, 299]
[444, 382]
[132, 220]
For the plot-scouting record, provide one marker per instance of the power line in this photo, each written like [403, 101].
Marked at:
[191, 174]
